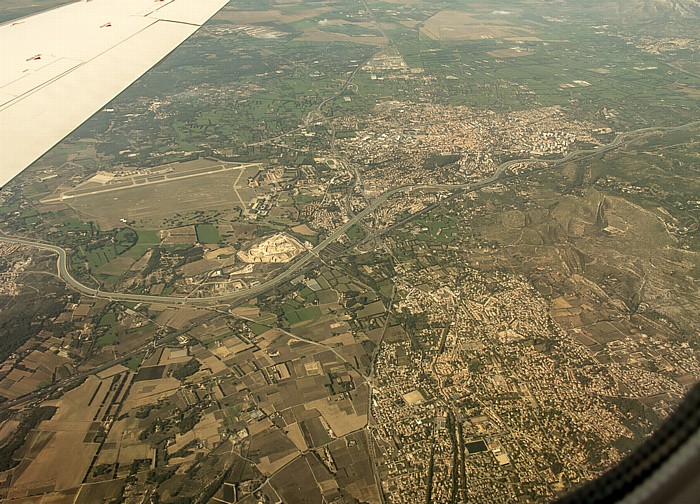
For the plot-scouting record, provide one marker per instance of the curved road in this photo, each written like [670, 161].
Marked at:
[64, 272]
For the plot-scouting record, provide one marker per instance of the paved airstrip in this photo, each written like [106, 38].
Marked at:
[141, 180]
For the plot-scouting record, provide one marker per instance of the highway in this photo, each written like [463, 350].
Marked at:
[65, 274]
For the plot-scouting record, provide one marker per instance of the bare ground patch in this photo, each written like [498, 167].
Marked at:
[455, 25]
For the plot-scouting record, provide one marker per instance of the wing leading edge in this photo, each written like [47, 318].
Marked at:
[61, 66]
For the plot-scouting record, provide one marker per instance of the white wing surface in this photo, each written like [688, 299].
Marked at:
[59, 67]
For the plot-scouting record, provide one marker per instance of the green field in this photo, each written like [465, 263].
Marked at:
[108, 338]
[296, 312]
[356, 233]
[134, 362]
[108, 321]
[75, 224]
[103, 250]
[147, 237]
[309, 314]
[207, 233]
[146, 240]
[258, 329]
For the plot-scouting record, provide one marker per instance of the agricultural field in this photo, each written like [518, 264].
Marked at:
[207, 233]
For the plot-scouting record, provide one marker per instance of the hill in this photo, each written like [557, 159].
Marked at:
[656, 10]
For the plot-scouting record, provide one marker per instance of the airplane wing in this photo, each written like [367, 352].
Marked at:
[59, 67]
